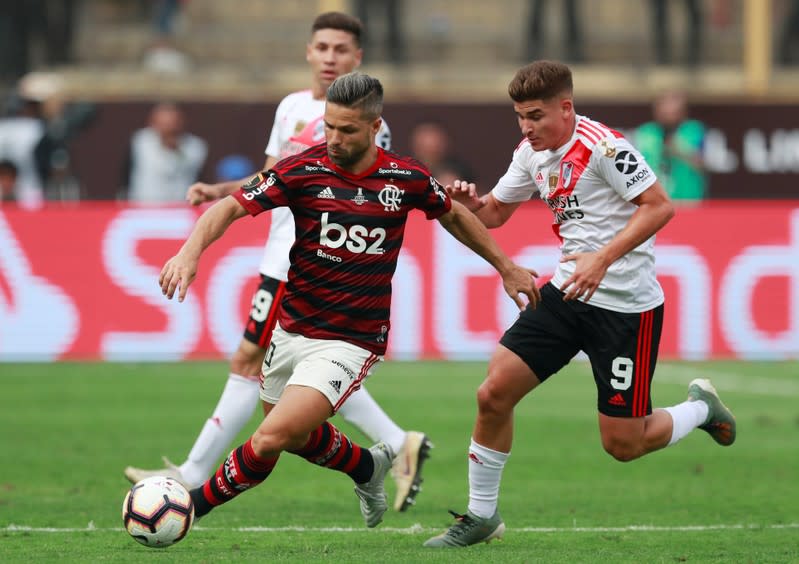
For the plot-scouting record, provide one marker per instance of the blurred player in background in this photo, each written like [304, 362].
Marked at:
[603, 299]
[334, 49]
[350, 200]
[673, 145]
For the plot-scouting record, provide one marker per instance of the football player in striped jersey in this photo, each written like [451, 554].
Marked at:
[350, 200]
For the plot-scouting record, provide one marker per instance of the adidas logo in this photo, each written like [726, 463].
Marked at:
[336, 384]
[617, 400]
[327, 194]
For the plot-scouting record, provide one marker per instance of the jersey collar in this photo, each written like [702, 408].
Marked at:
[346, 174]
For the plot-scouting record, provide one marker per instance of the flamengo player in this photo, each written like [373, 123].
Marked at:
[603, 299]
[350, 200]
[334, 49]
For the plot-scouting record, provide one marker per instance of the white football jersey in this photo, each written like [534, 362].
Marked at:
[299, 124]
[588, 184]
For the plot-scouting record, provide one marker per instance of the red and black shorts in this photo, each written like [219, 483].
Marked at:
[263, 313]
[622, 347]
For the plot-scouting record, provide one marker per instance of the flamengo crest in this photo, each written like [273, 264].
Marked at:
[390, 197]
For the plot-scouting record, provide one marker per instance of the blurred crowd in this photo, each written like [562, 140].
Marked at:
[163, 158]
[40, 122]
[36, 131]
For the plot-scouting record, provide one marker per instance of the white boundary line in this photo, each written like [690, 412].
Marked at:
[415, 529]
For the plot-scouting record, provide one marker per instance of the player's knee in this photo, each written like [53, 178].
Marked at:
[491, 399]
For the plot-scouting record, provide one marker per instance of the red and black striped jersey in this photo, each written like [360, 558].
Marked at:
[348, 234]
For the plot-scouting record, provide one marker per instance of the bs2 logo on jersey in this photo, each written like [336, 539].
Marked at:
[357, 239]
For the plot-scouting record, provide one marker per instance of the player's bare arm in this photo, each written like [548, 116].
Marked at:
[180, 270]
[488, 209]
[201, 192]
[466, 228]
[654, 211]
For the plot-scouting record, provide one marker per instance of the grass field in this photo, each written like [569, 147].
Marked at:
[67, 430]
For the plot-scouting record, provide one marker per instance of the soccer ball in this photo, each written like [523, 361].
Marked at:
[158, 511]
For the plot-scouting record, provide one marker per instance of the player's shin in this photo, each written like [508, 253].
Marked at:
[242, 469]
[329, 447]
[485, 474]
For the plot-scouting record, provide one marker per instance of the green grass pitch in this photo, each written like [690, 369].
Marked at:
[67, 430]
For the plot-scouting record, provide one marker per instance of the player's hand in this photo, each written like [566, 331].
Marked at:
[200, 192]
[588, 274]
[520, 281]
[465, 193]
[178, 273]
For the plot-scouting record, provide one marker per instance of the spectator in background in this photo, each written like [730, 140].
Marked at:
[393, 32]
[573, 36]
[431, 144]
[788, 53]
[163, 55]
[8, 181]
[34, 27]
[662, 31]
[20, 133]
[673, 146]
[165, 16]
[61, 121]
[14, 38]
[163, 158]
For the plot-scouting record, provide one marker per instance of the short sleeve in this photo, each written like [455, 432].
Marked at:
[273, 145]
[517, 184]
[623, 167]
[262, 192]
[435, 201]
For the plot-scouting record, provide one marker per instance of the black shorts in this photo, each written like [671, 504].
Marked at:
[622, 347]
[263, 313]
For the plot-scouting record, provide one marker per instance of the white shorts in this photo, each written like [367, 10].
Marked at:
[335, 368]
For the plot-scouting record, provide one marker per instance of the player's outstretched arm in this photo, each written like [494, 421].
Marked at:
[179, 271]
[487, 208]
[466, 228]
[201, 192]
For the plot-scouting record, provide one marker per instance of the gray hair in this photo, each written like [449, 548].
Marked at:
[358, 91]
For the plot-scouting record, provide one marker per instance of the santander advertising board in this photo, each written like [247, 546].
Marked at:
[80, 282]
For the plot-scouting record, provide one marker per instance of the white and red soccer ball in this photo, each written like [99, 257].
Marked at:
[158, 512]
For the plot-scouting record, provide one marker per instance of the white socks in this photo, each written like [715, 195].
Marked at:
[686, 417]
[485, 473]
[232, 412]
[362, 411]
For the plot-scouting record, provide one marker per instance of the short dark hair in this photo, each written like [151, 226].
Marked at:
[340, 21]
[357, 91]
[541, 80]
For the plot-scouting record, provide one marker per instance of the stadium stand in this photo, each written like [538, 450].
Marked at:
[247, 50]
